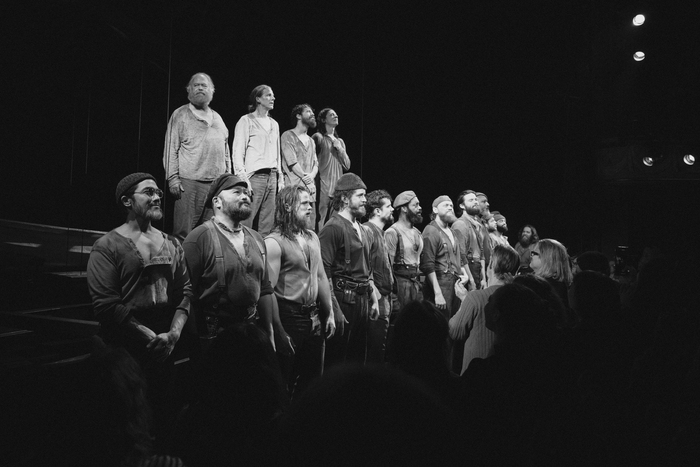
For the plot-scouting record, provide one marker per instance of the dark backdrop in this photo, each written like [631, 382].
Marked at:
[508, 98]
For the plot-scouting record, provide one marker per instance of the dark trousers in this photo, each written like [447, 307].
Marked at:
[447, 287]
[352, 345]
[475, 268]
[378, 330]
[307, 362]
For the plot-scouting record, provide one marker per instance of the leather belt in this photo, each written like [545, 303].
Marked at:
[342, 284]
[264, 171]
[294, 306]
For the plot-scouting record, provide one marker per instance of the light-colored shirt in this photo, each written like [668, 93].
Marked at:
[412, 243]
[254, 147]
[294, 151]
[195, 149]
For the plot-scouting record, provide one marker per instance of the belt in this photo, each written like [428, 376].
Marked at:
[294, 306]
[406, 270]
[342, 284]
[451, 274]
[264, 171]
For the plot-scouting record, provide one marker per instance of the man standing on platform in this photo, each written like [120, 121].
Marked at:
[228, 267]
[380, 216]
[196, 152]
[473, 234]
[333, 159]
[256, 157]
[345, 249]
[404, 245]
[299, 161]
[302, 293]
[440, 261]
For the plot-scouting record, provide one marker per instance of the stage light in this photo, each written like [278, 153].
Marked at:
[638, 20]
[689, 159]
[648, 161]
[639, 56]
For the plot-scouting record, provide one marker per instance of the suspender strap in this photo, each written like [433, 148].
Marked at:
[398, 256]
[219, 258]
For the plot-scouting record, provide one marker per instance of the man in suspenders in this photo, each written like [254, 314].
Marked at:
[227, 265]
[345, 249]
[441, 259]
[405, 245]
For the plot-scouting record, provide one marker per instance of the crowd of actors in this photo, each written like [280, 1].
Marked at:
[270, 234]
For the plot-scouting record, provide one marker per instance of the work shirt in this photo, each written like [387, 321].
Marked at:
[255, 148]
[332, 238]
[381, 267]
[439, 255]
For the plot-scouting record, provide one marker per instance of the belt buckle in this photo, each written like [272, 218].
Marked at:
[352, 285]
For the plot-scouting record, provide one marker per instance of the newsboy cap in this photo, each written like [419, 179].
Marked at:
[404, 197]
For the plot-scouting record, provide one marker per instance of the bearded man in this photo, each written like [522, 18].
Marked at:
[404, 245]
[441, 258]
[138, 278]
[196, 152]
[473, 234]
[299, 161]
[345, 249]
[228, 266]
[527, 237]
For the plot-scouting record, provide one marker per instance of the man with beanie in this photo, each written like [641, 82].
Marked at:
[441, 259]
[140, 289]
[345, 250]
[137, 277]
[404, 244]
[228, 267]
[496, 222]
[196, 152]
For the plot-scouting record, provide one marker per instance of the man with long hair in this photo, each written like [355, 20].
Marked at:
[257, 159]
[345, 249]
[196, 152]
[302, 297]
[527, 237]
[333, 160]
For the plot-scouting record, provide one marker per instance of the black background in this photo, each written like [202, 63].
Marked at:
[509, 98]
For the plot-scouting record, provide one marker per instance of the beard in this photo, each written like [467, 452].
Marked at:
[525, 240]
[414, 217]
[388, 220]
[237, 213]
[358, 211]
[502, 228]
[301, 223]
[448, 218]
[200, 99]
[309, 122]
[473, 210]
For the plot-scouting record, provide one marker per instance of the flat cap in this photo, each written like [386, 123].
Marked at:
[404, 197]
[441, 199]
[224, 182]
[499, 217]
[131, 180]
[350, 181]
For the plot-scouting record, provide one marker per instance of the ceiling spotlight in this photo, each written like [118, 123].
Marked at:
[639, 56]
[648, 161]
[638, 20]
[689, 159]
